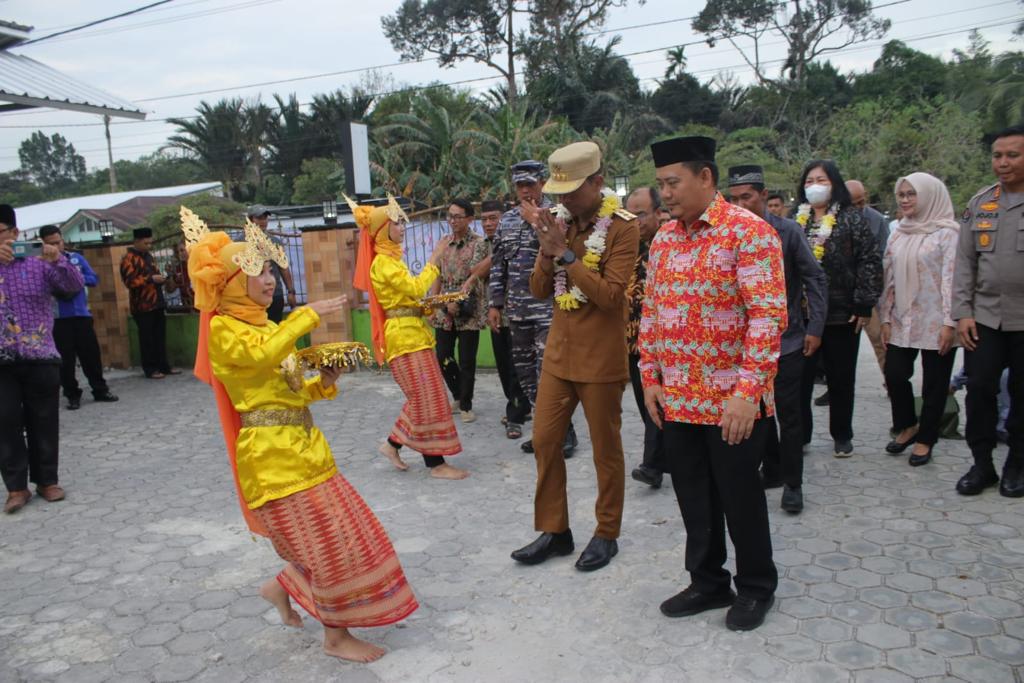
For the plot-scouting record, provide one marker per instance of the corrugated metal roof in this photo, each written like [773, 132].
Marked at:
[28, 83]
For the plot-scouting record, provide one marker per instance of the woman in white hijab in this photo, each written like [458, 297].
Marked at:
[915, 311]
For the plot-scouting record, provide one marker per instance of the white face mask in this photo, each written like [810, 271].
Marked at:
[818, 194]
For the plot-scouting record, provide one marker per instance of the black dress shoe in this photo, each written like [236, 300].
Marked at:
[527, 446]
[895, 447]
[821, 400]
[105, 397]
[546, 545]
[976, 480]
[918, 460]
[1011, 484]
[74, 403]
[747, 613]
[647, 475]
[691, 601]
[843, 448]
[792, 500]
[597, 554]
[570, 443]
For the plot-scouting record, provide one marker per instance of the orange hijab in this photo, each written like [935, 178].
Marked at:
[220, 289]
[374, 224]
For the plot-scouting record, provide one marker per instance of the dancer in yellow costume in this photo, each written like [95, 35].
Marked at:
[402, 337]
[342, 569]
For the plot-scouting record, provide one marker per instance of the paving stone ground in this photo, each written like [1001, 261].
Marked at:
[146, 573]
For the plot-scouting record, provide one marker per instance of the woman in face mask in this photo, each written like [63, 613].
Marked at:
[845, 246]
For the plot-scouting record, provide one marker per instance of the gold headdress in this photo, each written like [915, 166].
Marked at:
[193, 226]
[259, 249]
[363, 214]
[395, 211]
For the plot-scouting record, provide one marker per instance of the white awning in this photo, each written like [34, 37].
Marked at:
[27, 84]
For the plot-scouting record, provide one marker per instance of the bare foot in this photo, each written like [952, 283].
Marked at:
[338, 642]
[391, 453]
[446, 471]
[274, 593]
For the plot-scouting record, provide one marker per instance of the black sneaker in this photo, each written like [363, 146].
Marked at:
[821, 400]
[977, 480]
[647, 475]
[843, 448]
[691, 601]
[792, 500]
[527, 446]
[74, 402]
[105, 397]
[747, 613]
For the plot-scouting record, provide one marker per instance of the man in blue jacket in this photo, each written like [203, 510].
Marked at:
[73, 332]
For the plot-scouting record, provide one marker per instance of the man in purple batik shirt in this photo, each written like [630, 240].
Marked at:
[30, 364]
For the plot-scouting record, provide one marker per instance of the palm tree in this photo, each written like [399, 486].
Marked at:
[512, 134]
[290, 139]
[257, 120]
[213, 140]
[328, 112]
[676, 61]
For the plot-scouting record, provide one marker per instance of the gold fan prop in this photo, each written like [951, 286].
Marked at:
[429, 303]
[333, 355]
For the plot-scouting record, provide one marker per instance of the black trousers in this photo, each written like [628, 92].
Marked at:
[76, 339]
[460, 375]
[517, 405]
[717, 484]
[153, 341]
[839, 347]
[899, 368]
[783, 455]
[654, 446]
[29, 414]
[996, 350]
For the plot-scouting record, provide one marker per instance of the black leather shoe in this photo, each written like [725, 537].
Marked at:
[527, 446]
[74, 403]
[597, 554]
[821, 400]
[843, 448]
[918, 460]
[792, 500]
[747, 613]
[1011, 484]
[105, 398]
[976, 480]
[691, 601]
[895, 447]
[570, 443]
[646, 475]
[546, 545]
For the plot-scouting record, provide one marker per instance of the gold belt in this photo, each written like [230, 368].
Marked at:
[280, 417]
[404, 312]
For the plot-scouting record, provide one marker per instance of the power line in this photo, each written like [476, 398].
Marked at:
[96, 22]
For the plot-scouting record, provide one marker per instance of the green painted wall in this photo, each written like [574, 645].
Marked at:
[361, 333]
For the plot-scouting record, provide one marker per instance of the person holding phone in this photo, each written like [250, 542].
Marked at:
[30, 365]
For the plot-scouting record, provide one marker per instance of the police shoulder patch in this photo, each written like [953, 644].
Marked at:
[624, 215]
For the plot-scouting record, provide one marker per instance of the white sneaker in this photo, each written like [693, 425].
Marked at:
[468, 416]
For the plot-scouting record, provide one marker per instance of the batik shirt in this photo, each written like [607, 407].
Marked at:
[456, 264]
[137, 271]
[714, 308]
[27, 288]
[635, 297]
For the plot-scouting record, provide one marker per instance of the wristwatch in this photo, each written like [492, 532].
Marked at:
[567, 257]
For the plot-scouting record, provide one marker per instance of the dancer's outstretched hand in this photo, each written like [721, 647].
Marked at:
[325, 306]
[328, 376]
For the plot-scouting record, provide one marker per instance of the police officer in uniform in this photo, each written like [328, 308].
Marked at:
[529, 318]
[988, 305]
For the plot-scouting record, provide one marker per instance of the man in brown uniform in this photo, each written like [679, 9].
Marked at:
[585, 261]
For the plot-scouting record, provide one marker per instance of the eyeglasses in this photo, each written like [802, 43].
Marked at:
[457, 217]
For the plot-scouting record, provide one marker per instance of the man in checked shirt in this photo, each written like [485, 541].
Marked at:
[714, 310]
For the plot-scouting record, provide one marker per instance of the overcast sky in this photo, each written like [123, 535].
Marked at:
[200, 45]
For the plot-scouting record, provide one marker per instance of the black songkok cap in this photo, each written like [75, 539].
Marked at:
[746, 175]
[142, 233]
[7, 216]
[682, 150]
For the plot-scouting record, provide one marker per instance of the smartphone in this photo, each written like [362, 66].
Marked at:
[26, 249]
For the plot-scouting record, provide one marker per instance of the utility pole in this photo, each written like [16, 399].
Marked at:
[110, 155]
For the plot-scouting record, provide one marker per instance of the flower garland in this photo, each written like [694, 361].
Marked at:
[571, 298]
[818, 236]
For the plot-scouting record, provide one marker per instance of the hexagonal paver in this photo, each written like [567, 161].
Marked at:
[944, 642]
[881, 676]
[858, 578]
[836, 561]
[809, 573]
[916, 662]
[884, 597]
[910, 619]
[832, 592]
[910, 583]
[853, 655]
[856, 613]
[156, 634]
[975, 668]
[883, 636]
[826, 630]
[864, 548]
[934, 601]
[883, 565]
[794, 648]
[1013, 627]
[992, 606]
[1002, 649]
[932, 568]
[803, 608]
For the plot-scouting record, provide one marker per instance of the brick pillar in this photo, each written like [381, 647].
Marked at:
[109, 303]
[329, 254]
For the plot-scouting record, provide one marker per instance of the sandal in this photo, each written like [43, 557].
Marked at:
[513, 431]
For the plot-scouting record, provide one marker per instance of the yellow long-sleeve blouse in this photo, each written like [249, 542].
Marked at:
[277, 461]
[396, 287]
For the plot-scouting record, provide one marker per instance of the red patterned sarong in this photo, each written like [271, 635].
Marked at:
[343, 569]
[425, 423]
